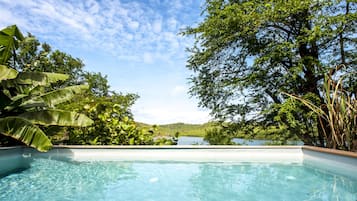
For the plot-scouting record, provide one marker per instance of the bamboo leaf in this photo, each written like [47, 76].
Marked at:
[24, 131]
[58, 118]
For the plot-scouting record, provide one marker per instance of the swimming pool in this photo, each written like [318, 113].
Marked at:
[205, 174]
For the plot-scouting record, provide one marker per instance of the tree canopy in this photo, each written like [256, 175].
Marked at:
[247, 52]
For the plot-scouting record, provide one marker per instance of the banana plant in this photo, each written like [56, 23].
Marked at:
[27, 101]
[25, 104]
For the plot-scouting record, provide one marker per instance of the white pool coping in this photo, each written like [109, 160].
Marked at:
[180, 153]
[331, 160]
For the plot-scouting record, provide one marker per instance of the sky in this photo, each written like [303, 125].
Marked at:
[136, 43]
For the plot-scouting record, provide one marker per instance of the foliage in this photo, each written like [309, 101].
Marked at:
[339, 110]
[297, 120]
[219, 136]
[24, 104]
[9, 42]
[33, 56]
[28, 100]
[110, 111]
[160, 139]
[224, 132]
[7, 73]
[247, 52]
[25, 131]
[112, 122]
[166, 140]
[183, 129]
[98, 84]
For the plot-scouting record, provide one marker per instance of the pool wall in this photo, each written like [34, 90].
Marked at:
[14, 158]
[342, 162]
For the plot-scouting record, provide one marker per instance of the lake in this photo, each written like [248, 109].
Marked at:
[187, 140]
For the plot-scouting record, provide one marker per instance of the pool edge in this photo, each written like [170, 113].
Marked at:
[342, 161]
[331, 151]
[173, 147]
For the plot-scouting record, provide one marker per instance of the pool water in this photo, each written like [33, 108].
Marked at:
[48, 179]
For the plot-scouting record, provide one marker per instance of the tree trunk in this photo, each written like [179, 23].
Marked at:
[309, 54]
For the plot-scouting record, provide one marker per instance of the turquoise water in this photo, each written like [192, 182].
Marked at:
[173, 181]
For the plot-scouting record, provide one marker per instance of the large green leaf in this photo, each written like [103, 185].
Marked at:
[58, 118]
[54, 98]
[6, 48]
[26, 132]
[4, 101]
[40, 78]
[7, 73]
[33, 79]
[12, 31]
[9, 38]
[22, 89]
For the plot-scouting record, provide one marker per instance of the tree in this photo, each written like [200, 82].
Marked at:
[33, 56]
[247, 52]
[98, 84]
[36, 57]
[27, 101]
[110, 111]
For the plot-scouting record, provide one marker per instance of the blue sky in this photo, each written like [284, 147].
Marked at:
[135, 43]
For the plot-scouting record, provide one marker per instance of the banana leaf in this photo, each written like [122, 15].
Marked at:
[7, 73]
[7, 44]
[40, 78]
[26, 132]
[12, 31]
[58, 118]
[54, 98]
[9, 38]
[22, 90]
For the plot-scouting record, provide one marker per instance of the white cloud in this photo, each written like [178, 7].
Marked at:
[134, 32]
[156, 27]
[93, 6]
[133, 25]
[100, 24]
[7, 18]
[166, 115]
[179, 90]
[148, 57]
[128, 37]
[172, 23]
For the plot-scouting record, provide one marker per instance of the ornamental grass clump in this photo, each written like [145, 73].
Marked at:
[339, 109]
